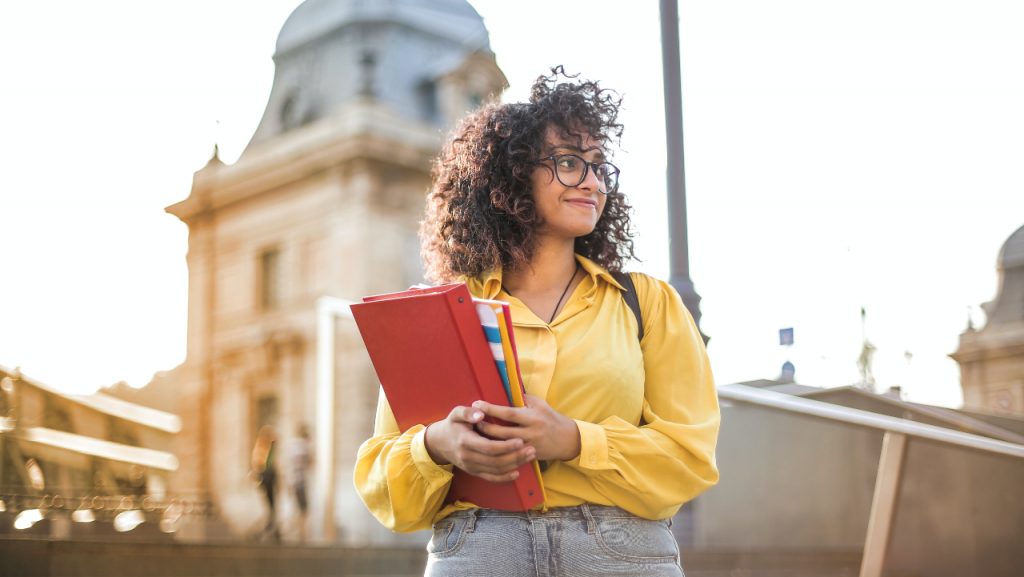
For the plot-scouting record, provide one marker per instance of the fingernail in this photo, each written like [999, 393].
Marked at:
[515, 474]
[478, 415]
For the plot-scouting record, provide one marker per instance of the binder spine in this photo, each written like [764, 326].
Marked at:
[475, 347]
[528, 488]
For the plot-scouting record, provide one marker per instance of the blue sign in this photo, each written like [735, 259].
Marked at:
[786, 336]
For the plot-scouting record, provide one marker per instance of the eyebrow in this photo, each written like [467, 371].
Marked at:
[574, 148]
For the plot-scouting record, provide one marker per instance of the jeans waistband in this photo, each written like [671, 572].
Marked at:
[583, 511]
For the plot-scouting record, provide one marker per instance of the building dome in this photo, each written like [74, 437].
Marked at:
[452, 19]
[1012, 253]
[1008, 306]
[420, 59]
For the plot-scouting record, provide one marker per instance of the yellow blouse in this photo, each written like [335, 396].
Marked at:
[647, 411]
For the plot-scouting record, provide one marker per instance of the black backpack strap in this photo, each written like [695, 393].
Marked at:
[632, 300]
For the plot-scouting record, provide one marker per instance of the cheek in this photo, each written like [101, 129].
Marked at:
[541, 179]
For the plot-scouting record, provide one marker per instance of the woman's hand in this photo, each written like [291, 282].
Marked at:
[454, 440]
[554, 436]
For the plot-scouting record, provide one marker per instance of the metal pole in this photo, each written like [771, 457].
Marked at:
[679, 245]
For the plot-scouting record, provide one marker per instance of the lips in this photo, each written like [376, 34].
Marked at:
[588, 202]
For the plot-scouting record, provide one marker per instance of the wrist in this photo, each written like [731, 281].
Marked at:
[574, 444]
[435, 455]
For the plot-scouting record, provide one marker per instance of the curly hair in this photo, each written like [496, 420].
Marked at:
[480, 211]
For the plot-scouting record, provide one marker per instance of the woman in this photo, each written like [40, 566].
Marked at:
[525, 208]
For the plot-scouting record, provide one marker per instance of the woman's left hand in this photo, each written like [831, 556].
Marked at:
[554, 436]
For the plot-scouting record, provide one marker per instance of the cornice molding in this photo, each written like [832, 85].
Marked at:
[364, 130]
[993, 351]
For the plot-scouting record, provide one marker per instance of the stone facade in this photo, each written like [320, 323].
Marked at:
[327, 205]
[992, 359]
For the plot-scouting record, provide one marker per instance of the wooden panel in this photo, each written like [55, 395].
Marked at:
[887, 487]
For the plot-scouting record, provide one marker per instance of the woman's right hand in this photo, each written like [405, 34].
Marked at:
[454, 440]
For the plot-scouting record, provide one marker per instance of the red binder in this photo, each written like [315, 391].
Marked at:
[431, 355]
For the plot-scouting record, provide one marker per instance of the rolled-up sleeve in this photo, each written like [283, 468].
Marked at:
[395, 476]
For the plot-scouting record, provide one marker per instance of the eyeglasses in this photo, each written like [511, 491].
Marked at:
[571, 170]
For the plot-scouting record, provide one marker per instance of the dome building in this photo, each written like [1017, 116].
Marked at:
[426, 61]
[992, 359]
[324, 201]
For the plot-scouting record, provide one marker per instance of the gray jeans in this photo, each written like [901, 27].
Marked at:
[582, 541]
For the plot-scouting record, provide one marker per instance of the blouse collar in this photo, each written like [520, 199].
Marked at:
[488, 285]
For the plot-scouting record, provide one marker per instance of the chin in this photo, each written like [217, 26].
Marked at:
[580, 232]
[569, 229]
[585, 229]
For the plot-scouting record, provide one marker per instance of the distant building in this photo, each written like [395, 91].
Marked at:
[325, 201]
[992, 358]
[70, 464]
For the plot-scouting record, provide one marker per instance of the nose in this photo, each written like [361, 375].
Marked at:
[590, 179]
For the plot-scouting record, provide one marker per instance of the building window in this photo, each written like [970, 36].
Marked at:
[429, 110]
[56, 416]
[119, 431]
[270, 279]
[264, 413]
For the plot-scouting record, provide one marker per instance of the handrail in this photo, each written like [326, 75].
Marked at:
[868, 419]
[958, 421]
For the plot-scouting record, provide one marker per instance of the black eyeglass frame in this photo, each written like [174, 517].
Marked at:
[587, 166]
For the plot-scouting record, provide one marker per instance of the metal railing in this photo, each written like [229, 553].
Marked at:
[26, 507]
[868, 419]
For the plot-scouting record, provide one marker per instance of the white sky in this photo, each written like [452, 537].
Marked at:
[838, 155]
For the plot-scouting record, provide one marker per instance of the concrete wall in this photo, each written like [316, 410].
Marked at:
[961, 512]
[791, 482]
[788, 481]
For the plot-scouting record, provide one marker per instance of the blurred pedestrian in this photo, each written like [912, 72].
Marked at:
[300, 461]
[264, 470]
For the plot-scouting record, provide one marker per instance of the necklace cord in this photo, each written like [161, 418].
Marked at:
[559, 303]
[564, 291]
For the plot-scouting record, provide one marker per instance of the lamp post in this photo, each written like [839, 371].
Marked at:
[679, 256]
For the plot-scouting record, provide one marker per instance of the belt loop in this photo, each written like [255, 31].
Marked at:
[588, 519]
[471, 522]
